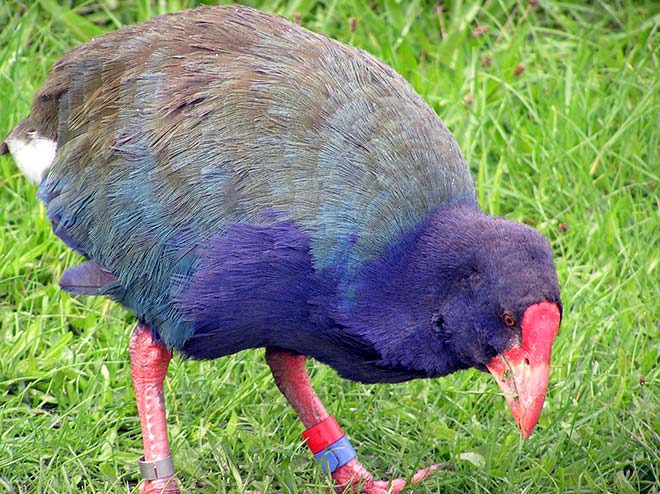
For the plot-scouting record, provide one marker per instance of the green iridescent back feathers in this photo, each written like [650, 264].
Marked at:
[172, 129]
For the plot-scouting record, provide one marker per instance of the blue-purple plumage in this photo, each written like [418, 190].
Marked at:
[243, 182]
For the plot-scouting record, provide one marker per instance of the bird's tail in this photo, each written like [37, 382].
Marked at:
[33, 153]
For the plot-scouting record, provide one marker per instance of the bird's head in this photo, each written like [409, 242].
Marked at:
[477, 291]
[502, 310]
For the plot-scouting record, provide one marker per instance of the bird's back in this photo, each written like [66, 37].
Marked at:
[171, 131]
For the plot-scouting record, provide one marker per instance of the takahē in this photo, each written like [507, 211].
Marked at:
[238, 181]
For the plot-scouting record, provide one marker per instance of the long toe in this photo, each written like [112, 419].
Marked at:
[426, 472]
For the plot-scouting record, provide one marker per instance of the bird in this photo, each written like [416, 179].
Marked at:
[238, 181]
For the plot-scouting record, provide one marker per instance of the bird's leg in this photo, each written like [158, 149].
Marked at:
[322, 434]
[149, 361]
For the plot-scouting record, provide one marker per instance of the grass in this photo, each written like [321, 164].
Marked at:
[556, 108]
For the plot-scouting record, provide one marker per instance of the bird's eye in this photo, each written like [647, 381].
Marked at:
[508, 320]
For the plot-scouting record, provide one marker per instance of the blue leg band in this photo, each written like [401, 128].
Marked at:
[336, 455]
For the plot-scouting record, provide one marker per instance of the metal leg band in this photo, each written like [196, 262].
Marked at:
[156, 469]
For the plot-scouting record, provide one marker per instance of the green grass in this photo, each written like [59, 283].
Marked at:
[569, 145]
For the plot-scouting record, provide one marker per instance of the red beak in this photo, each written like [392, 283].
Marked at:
[522, 372]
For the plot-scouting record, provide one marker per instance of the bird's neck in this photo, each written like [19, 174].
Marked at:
[398, 295]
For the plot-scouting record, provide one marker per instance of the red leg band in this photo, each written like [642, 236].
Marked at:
[323, 435]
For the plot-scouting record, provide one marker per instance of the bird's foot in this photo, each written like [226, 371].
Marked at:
[353, 478]
[165, 485]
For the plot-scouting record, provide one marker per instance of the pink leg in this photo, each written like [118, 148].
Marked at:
[149, 361]
[291, 377]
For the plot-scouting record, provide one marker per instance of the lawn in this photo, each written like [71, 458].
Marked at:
[556, 106]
